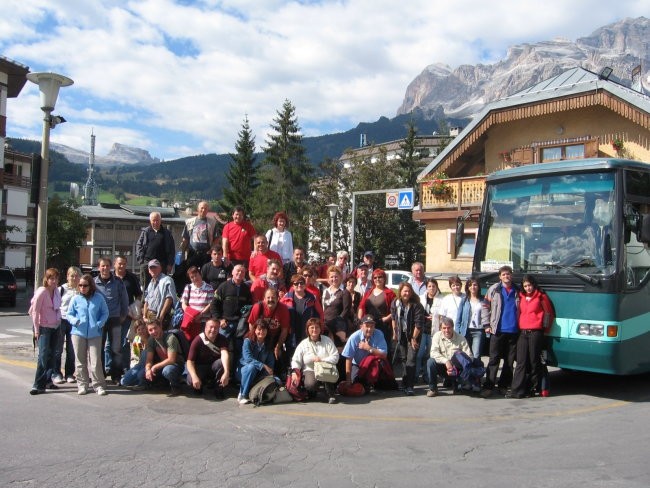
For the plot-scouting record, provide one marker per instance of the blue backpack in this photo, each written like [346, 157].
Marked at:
[177, 315]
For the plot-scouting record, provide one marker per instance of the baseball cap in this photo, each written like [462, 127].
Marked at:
[366, 319]
[369, 253]
[154, 263]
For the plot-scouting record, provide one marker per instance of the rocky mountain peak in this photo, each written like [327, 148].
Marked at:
[465, 90]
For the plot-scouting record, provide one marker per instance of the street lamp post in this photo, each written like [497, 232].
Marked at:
[48, 84]
[333, 208]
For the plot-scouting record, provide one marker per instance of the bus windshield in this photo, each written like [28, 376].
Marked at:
[563, 223]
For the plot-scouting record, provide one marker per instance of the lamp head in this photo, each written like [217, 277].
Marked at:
[49, 84]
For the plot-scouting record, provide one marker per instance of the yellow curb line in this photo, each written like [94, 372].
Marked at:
[561, 413]
[17, 362]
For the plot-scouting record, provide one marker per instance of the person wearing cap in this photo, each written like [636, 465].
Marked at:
[369, 260]
[367, 341]
[160, 296]
[155, 242]
[363, 284]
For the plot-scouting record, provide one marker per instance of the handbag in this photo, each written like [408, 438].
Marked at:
[324, 371]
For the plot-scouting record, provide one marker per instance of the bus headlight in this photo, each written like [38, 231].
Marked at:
[597, 330]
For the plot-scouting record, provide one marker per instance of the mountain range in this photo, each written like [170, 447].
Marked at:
[464, 91]
[437, 93]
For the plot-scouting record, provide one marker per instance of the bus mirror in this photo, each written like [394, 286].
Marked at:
[460, 233]
[644, 229]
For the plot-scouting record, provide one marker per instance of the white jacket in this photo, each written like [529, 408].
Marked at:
[303, 358]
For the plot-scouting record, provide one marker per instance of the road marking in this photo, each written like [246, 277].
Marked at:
[7, 336]
[21, 331]
[18, 362]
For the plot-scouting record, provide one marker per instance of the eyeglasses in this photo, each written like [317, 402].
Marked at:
[83, 285]
[306, 276]
[299, 283]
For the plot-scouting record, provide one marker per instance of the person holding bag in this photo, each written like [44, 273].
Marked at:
[316, 357]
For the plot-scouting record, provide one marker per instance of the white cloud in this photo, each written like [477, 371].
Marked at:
[177, 78]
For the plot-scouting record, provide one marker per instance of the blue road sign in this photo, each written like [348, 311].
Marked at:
[405, 199]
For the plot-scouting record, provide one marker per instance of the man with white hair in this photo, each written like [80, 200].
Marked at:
[155, 242]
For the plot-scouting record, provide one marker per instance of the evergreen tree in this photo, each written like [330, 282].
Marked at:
[285, 175]
[242, 174]
[409, 165]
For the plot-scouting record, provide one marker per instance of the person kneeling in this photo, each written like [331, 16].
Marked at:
[208, 360]
[366, 355]
[164, 358]
[313, 349]
[444, 344]
[257, 359]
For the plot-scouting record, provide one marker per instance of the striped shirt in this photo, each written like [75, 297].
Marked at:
[198, 298]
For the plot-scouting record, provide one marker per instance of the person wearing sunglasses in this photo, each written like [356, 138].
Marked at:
[302, 306]
[376, 303]
[87, 315]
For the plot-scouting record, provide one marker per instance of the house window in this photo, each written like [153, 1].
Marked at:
[560, 153]
[466, 250]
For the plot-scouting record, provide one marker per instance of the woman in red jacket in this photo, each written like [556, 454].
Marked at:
[535, 318]
[376, 302]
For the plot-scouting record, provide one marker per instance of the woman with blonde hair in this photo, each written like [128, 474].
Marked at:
[68, 290]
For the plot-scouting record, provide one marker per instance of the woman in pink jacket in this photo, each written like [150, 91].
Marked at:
[46, 317]
[535, 318]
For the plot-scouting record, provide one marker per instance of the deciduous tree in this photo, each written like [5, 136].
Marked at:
[66, 230]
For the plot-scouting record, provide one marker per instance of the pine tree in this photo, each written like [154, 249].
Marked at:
[242, 174]
[285, 175]
[409, 165]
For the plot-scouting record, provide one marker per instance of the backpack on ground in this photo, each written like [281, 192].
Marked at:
[263, 391]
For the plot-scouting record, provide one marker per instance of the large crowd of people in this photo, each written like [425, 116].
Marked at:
[251, 307]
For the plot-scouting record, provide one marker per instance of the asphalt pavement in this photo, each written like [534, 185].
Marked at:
[592, 431]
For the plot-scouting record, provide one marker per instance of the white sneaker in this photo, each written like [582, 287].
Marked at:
[58, 380]
[70, 379]
[101, 391]
[82, 390]
[242, 399]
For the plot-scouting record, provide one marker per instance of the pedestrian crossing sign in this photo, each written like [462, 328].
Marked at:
[405, 199]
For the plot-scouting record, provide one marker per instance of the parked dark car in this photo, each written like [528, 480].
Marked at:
[8, 286]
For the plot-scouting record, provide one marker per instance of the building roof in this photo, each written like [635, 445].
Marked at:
[16, 73]
[575, 81]
[138, 213]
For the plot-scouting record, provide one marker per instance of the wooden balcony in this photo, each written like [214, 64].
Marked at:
[462, 193]
[13, 180]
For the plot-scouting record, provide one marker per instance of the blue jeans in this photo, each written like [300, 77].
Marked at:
[47, 340]
[135, 375]
[475, 339]
[173, 373]
[249, 374]
[434, 370]
[64, 339]
[423, 354]
[112, 342]
[126, 350]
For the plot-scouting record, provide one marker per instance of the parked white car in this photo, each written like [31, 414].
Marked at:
[395, 276]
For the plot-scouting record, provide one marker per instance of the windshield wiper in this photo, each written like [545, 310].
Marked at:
[569, 269]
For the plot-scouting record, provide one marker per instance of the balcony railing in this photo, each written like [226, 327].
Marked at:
[462, 193]
[14, 180]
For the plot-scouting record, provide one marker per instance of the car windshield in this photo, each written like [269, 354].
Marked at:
[563, 223]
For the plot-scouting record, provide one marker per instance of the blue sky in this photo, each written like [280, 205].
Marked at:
[178, 77]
